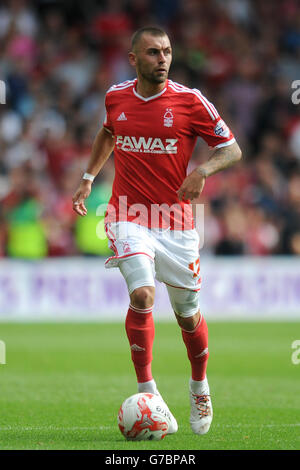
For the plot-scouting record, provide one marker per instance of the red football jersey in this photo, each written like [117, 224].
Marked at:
[154, 141]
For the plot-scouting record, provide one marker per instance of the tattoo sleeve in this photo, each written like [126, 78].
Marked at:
[221, 159]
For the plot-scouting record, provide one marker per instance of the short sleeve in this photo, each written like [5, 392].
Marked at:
[207, 123]
[107, 123]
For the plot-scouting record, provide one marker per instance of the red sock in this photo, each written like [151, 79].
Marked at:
[196, 342]
[139, 327]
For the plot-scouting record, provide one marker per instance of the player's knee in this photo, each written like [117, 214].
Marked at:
[185, 302]
[188, 323]
[142, 297]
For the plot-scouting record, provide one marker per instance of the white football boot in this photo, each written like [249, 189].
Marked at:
[201, 411]
[150, 387]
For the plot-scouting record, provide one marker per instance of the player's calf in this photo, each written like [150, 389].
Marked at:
[188, 323]
[139, 327]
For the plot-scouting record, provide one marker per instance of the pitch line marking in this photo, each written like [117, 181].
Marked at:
[54, 428]
[258, 425]
[104, 428]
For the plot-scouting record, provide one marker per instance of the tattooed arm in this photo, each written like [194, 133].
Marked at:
[221, 159]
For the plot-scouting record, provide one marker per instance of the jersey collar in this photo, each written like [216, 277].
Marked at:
[149, 97]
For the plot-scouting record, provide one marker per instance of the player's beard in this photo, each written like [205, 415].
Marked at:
[152, 77]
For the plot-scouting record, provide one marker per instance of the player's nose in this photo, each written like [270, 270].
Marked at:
[162, 58]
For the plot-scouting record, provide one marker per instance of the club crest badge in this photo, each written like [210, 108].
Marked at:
[168, 118]
[126, 247]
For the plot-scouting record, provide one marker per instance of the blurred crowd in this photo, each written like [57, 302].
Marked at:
[58, 58]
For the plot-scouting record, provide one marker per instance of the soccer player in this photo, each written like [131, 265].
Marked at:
[152, 125]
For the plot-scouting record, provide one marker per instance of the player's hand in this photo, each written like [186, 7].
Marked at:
[80, 196]
[192, 186]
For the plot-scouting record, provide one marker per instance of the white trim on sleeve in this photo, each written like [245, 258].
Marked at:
[225, 144]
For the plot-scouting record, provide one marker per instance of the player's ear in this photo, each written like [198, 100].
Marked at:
[132, 58]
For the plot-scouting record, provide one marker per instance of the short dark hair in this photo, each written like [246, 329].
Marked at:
[153, 30]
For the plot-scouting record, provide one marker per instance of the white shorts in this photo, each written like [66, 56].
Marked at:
[175, 254]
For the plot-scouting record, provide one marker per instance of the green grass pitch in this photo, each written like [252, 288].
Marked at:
[63, 384]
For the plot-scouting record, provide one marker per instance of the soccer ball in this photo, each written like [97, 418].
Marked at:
[143, 417]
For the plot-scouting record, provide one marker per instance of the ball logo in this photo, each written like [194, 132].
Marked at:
[221, 129]
[168, 118]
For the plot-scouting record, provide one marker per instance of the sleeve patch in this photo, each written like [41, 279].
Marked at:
[221, 129]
